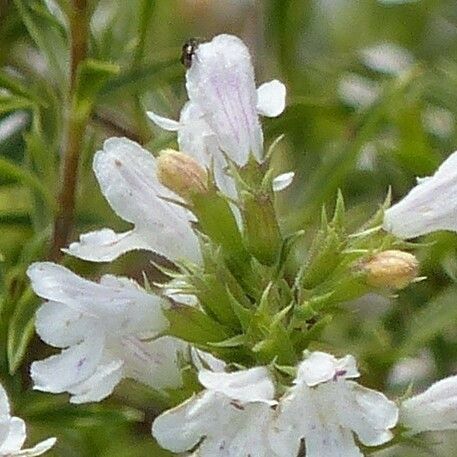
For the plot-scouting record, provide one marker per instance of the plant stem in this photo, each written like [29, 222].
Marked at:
[76, 126]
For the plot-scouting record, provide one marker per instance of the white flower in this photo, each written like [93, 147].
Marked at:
[230, 418]
[13, 433]
[433, 410]
[127, 177]
[387, 58]
[223, 109]
[325, 408]
[357, 91]
[430, 206]
[103, 327]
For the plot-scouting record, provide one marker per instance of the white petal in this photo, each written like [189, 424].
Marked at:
[60, 326]
[127, 177]
[116, 303]
[191, 419]
[4, 404]
[320, 367]
[221, 83]
[15, 437]
[228, 429]
[368, 413]
[271, 98]
[164, 122]
[331, 441]
[195, 137]
[100, 385]
[59, 373]
[253, 385]
[283, 181]
[39, 449]
[433, 410]
[154, 363]
[105, 245]
[429, 206]
[204, 360]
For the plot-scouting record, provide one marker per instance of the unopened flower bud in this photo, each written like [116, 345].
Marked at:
[181, 173]
[394, 269]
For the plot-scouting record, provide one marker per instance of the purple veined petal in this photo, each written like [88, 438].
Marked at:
[164, 122]
[430, 206]
[74, 328]
[221, 83]
[59, 373]
[115, 304]
[283, 181]
[271, 98]
[228, 429]
[39, 449]
[320, 367]
[195, 137]
[100, 385]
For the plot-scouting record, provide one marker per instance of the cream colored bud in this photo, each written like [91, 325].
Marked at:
[393, 269]
[181, 173]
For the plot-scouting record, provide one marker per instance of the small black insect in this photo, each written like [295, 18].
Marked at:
[188, 51]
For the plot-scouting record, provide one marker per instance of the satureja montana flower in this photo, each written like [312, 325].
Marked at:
[127, 176]
[222, 114]
[106, 330]
[229, 418]
[433, 410]
[13, 433]
[325, 408]
[239, 412]
[429, 206]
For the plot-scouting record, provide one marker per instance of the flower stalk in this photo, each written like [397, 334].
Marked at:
[79, 18]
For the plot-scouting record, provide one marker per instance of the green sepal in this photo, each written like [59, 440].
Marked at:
[217, 221]
[235, 341]
[192, 325]
[261, 228]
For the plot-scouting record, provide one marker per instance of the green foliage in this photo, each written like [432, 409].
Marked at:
[264, 298]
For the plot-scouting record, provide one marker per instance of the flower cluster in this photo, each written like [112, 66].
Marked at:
[230, 311]
[12, 433]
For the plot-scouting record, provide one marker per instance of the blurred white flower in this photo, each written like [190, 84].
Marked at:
[433, 410]
[325, 408]
[12, 124]
[430, 206]
[438, 121]
[357, 91]
[412, 369]
[230, 418]
[223, 109]
[127, 176]
[387, 58]
[105, 329]
[13, 433]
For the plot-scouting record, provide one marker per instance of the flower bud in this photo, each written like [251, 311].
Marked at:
[394, 269]
[181, 173]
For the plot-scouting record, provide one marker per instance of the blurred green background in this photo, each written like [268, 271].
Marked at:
[372, 103]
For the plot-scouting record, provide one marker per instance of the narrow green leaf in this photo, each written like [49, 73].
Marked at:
[10, 170]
